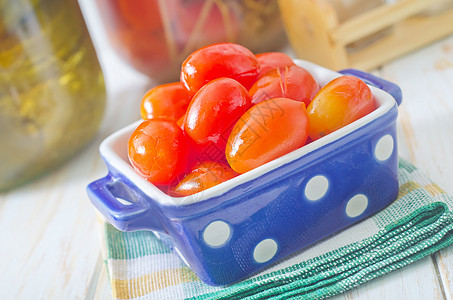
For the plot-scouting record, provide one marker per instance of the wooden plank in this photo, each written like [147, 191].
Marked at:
[103, 289]
[426, 122]
[307, 25]
[426, 79]
[48, 246]
[315, 34]
[403, 38]
[444, 261]
[417, 281]
[50, 239]
[379, 18]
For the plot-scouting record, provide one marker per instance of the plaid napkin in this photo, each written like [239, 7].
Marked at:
[417, 224]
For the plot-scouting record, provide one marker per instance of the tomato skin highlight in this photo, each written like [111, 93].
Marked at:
[157, 150]
[168, 101]
[291, 82]
[339, 103]
[268, 130]
[219, 60]
[203, 176]
[272, 60]
[214, 110]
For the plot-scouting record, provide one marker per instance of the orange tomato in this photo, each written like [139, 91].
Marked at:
[158, 151]
[340, 102]
[272, 60]
[292, 82]
[268, 130]
[165, 101]
[203, 176]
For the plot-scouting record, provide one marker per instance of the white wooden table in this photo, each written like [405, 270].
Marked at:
[50, 246]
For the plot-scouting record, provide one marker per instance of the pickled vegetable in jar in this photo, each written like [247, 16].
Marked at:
[155, 36]
[52, 93]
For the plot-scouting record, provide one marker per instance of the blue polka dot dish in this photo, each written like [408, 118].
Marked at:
[231, 231]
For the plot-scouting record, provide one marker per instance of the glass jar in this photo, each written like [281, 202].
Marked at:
[52, 92]
[155, 36]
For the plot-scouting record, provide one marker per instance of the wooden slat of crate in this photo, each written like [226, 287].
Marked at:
[405, 36]
[379, 18]
[316, 35]
[308, 24]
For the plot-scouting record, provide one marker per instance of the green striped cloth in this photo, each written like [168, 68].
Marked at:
[417, 224]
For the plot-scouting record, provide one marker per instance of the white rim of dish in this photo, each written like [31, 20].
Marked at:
[114, 147]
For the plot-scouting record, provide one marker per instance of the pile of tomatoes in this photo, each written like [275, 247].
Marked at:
[233, 111]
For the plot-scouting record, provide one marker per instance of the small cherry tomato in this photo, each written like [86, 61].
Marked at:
[214, 110]
[203, 176]
[157, 150]
[268, 130]
[219, 60]
[291, 82]
[272, 60]
[165, 101]
[340, 102]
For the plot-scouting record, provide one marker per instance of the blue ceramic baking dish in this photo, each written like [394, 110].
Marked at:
[234, 229]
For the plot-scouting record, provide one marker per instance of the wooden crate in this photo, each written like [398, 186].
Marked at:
[316, 35]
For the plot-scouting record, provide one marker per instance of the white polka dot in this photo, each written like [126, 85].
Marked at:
[316, 188]
[217, 233]
[384, 147]
[265, 250]
[356, 205]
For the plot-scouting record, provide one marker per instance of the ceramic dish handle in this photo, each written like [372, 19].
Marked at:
[378, 82]
[123, 207]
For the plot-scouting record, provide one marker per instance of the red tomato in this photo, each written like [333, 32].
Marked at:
[272, 60]
[165, 101]
[203, 176]
[291, 82]
[340, 102]
[157, 150]
[219, 60]
[214, 110]
[268, 130]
